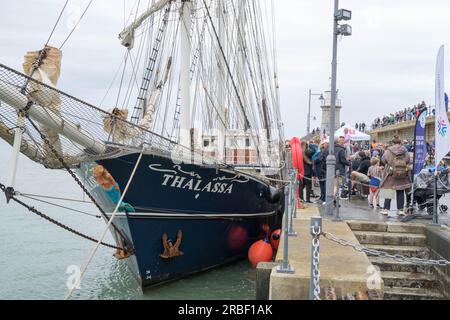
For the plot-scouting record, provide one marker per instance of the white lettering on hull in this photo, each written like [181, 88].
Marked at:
[194, 182]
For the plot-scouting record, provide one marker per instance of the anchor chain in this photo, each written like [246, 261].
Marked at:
[315, 262]
[80, 184]
[59, 224]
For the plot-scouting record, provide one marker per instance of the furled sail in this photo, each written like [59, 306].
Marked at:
[47, 72]
[127, 35]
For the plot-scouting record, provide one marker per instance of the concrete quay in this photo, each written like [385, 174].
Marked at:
[350, 274]
[342, 268]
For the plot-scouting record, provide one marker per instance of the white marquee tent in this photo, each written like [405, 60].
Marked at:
[355, 135]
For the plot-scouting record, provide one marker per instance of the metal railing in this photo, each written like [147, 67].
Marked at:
[289, 209]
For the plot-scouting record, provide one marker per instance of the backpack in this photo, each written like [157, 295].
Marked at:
[399, 169]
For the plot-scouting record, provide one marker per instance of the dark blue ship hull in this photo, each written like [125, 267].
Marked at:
[219, 212]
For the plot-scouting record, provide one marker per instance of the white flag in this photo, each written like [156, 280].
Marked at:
[442, 126]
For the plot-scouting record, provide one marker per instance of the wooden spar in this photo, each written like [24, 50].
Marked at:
[18, 101]
[16, 151]
[127, 35]
[185, 76]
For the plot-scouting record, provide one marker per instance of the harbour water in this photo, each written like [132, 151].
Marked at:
[38, 259]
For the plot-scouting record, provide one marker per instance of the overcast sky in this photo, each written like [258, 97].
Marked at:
[386, 65]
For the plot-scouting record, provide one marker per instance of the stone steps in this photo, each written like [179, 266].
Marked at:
[387, 264]
[390, 238]
[408, 251]
[402, 280]
[403, 293]
[397, 227]
[394, 279]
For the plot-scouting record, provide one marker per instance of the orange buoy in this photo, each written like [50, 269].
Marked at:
[260, 251]
[237, 237]
[275, 239]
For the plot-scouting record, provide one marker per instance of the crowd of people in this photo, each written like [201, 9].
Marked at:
[361, 127]
[385, 169]
[406, 114]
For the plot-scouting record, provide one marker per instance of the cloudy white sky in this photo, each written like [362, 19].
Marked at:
[387, 64]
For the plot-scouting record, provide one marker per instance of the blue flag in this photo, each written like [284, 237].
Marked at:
[420, 145]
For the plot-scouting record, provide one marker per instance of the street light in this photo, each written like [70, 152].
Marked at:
[345, 30]
[308, 126]
[343, 14]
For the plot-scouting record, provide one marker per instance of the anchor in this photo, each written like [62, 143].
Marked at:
[171, 250]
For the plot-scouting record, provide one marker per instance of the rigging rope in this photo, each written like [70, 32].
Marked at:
[60, 206]
[56, 23]
[50, 197]
[61, 160]
[55, 222]
[247, 123]
[76, 25]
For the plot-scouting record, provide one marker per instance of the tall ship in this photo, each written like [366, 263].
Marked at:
[186, 166]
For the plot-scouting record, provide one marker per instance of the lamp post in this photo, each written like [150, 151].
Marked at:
[345, 30]
[308, 123]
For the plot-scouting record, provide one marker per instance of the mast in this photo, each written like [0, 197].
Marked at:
[241, 47]
[185, 61]
[221, 127]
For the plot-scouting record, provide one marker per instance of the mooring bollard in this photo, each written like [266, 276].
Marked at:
[285, 267]
[291, 231]
[314, 284]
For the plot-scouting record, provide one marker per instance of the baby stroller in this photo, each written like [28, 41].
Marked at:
[424, 190]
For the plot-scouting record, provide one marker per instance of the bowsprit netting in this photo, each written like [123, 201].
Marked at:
[77, 130]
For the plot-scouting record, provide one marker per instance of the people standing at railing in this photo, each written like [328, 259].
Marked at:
[320, 165]
[347, 142]
[314, 144]
[406, 114]
[341, 162]
[395, 178]
[306, 182]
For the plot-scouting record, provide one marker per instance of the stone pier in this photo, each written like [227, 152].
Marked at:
[342, 268]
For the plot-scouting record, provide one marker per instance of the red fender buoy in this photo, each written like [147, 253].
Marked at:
[237, 237]
[275, 239]
[297, 157]
[260, 251]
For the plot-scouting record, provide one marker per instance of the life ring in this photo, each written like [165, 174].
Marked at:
[297, 157]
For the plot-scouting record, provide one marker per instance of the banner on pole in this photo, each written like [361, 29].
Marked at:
[442, 135]
[420, 145]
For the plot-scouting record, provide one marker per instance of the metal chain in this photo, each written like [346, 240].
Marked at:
[36, 64]
[80, 184]
[378, 253]
[59, 224]
[315, 262]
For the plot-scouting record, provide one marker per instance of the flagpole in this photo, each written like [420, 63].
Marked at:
[418, 146]
[441, 126]
[435, 203]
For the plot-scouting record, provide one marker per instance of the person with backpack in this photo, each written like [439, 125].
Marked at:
[395, 177]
